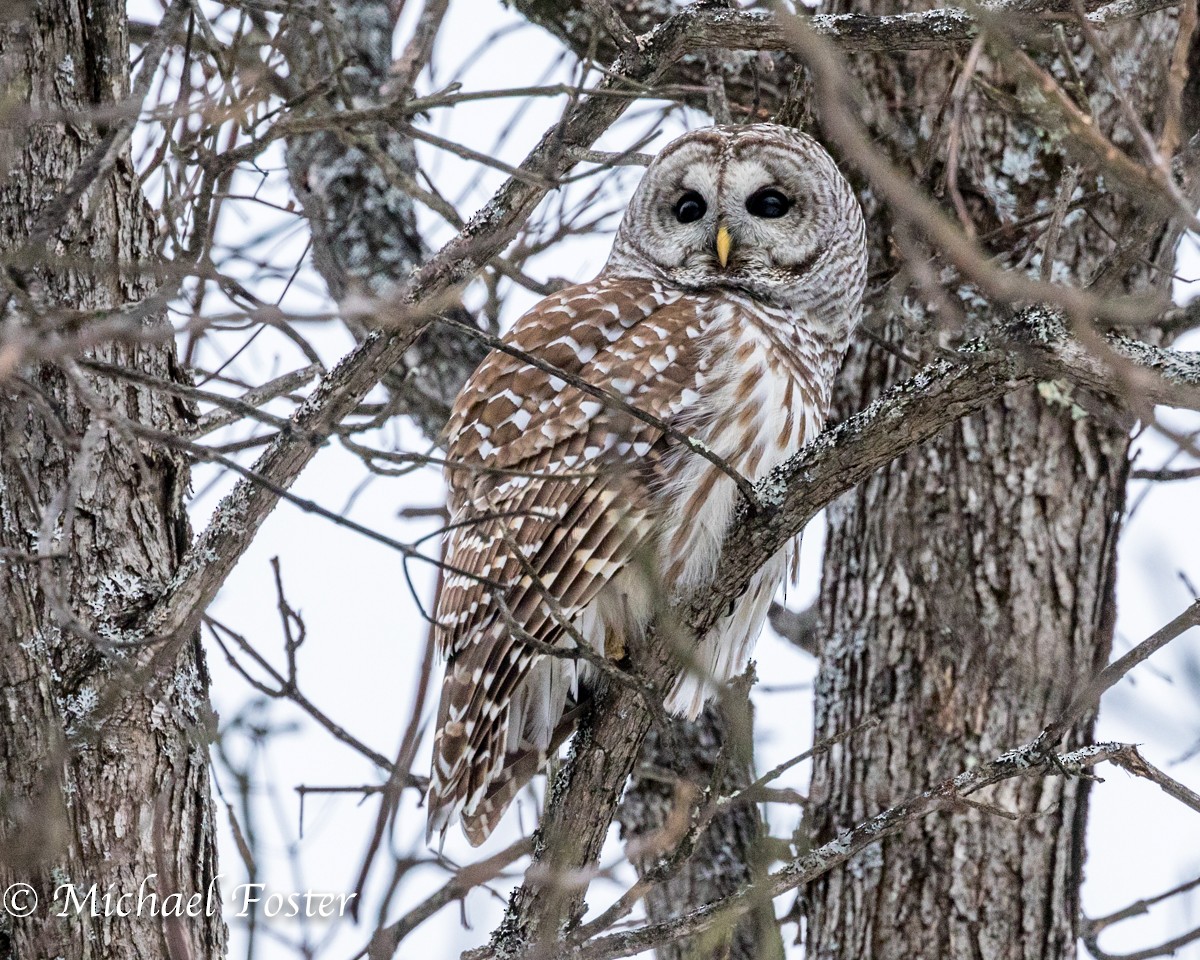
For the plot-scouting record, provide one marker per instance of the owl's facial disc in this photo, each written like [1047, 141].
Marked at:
[749, 208]
[740, 217]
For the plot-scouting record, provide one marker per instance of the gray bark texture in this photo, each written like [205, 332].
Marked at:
[104, 761]
[968, 586]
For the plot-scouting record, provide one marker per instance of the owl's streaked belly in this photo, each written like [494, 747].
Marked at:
[758, 405]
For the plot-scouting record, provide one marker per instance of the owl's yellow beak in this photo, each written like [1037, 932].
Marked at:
[724, 245]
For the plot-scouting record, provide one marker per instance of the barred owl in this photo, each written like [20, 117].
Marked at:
[724, 310]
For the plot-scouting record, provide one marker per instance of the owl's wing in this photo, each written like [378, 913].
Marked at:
[551, 493]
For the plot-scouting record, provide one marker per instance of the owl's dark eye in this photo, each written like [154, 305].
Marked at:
[768, 202]
[690, 207]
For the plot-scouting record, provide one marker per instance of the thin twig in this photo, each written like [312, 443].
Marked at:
[1116, 671]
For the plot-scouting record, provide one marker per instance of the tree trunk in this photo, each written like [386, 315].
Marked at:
[718, 751]
[104, 761]
[968, 587]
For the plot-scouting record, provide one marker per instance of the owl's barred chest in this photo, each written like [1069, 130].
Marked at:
[763, 389]
[762, 402]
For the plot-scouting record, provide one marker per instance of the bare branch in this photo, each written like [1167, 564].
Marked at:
[1133, 762]
[940, 29]
[1111, 675]
[387, 939]
[1166, 475]
[1028, 760]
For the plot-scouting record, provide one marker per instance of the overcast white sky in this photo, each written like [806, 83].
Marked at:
[365, 634]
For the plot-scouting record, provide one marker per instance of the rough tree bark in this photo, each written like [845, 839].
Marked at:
[968, 587]
[104, 761]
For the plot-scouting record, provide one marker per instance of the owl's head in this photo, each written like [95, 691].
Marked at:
[762, 209]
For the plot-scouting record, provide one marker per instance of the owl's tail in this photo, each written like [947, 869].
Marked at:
[480, 814]
[504, 711]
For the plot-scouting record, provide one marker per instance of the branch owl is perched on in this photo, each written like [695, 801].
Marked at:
[734, 282]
